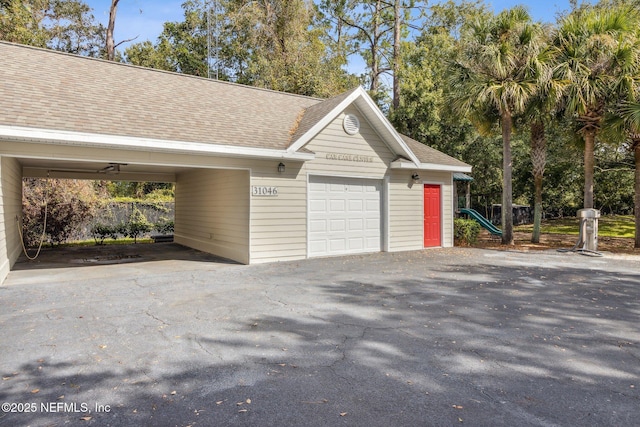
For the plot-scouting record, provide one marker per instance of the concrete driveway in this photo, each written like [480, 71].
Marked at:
[431, 338]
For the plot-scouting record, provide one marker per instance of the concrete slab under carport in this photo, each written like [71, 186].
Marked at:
[86, 263]
[436, 337]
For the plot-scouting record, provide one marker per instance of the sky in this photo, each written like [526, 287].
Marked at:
[144, 18]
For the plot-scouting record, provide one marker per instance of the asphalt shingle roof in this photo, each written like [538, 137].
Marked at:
[46, 89]
[427, 154]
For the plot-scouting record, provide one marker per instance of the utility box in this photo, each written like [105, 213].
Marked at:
[589, 228]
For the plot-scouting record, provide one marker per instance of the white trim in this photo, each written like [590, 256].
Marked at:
[81, 139]
[386, 214]
[146, 163]
[359, 92]
[250, 225]
[403, 164]
[311, 133]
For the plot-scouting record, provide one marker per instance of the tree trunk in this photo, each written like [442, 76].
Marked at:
[111, 45]
[507, 185]
[589, 163]
[636, 199]
[396, 55]
[538, 160]
[375, 57]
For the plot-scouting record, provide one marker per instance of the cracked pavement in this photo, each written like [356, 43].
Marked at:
[437, 337]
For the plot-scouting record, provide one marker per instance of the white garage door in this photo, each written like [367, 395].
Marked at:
[344, 216]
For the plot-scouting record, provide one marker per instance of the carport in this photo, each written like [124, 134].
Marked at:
[208, 216]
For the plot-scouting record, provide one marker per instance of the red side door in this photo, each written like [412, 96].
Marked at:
[432, 213]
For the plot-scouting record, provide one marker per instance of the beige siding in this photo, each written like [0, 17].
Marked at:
[10, 208]
[212, 212]
[334, 140]
[279, 224]
[406, 228]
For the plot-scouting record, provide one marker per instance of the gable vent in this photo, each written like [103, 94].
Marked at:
[351, 124]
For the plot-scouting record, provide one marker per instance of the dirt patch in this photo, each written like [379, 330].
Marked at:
[555, 241]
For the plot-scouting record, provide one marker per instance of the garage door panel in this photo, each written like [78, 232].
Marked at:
[337, 245]
[356, 244]
[318, 226]
[373, 205]
[318, 206]
[338, 225]
[318, 246]
[317, 186]
[352, 222]
[336, 206]
[356, 224]
[356, 205]
[372, 224]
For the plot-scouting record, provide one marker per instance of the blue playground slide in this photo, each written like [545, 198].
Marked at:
[482, 221]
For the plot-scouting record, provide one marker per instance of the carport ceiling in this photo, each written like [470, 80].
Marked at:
[112, 171]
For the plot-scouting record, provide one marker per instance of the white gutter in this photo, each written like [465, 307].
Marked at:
[94, 140]
[399, 164]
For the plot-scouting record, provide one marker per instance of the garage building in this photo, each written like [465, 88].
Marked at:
[260, 175]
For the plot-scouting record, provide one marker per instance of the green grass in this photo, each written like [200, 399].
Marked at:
[608, 226]
[120, 241]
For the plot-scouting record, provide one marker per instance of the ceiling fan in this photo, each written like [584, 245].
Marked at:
[111, 169]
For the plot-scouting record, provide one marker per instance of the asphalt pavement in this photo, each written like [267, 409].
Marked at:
[140, 336]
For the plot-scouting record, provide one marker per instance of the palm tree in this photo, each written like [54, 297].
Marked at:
[594, 49]
[494, 78]
[538, 161]
[538, 115]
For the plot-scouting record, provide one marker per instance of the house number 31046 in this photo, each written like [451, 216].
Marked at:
[264, 191]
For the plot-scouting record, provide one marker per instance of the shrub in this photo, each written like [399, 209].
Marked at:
[465, 231]
[102, 231]
[164, 226]
[69, 202]
[137, 225]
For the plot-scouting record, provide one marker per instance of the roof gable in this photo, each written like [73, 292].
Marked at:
[320, 115]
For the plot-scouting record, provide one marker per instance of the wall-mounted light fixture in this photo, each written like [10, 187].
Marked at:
[415, 177]
[281, 168]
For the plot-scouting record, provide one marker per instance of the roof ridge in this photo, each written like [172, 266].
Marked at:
[174, 73]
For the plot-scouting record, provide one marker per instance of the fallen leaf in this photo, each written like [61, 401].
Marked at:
[248, 400]
[342, 414]
[219, 402]
[35, 390]
[239, 403]
[102, 346]
[61, 397]
[243, 410]
[85, 418]
[457, 406]
[460, 420]
[173, 392]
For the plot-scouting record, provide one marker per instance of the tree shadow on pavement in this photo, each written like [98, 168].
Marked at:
[471, 343]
